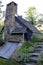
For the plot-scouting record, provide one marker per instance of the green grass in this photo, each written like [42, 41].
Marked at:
[1, 31]
[27, 47]
[37, 37]
[1, 28]
[22, 54]
[40, 62]
[8, 62]
[1, 41]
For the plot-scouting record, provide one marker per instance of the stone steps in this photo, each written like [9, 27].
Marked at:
[38, 49]
[31, 63]
[40, 43]
[34, 57]
[39, 46]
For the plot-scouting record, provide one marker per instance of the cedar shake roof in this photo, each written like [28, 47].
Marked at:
[28, 24]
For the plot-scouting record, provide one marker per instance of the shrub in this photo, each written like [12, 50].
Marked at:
[22, 54]
[1, 41]
[27, 47]
[37, 37]
[22, 57]
[40, 61]
[8, 62]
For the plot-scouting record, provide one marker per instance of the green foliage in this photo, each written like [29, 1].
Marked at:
[41, 56]
[8, 62]
[22, 54]
[37, 37]
[40, 18]
[31, 15]
[40, 61]
[1, 41]
[1, 31]
[1, 27]
[27, 47]
[21, 57]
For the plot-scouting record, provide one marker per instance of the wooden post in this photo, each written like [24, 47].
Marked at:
[23, 37]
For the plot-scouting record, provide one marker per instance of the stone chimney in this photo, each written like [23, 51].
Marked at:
[9, 23]
[11, 10]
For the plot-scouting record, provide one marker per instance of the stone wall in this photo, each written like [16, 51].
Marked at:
[16, 38]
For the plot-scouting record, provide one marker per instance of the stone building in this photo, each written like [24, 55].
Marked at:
[16, 28]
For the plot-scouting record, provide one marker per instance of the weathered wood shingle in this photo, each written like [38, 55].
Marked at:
[28, 25]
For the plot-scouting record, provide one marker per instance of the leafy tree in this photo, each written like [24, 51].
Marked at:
[40, 19]
[31, 15]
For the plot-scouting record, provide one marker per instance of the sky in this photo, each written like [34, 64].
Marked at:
[23, 5]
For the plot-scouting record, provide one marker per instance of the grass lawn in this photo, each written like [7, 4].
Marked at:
[8, 62]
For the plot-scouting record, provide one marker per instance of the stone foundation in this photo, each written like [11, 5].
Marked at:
[16, 38]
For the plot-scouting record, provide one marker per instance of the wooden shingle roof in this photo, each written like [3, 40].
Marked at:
[28, 24]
